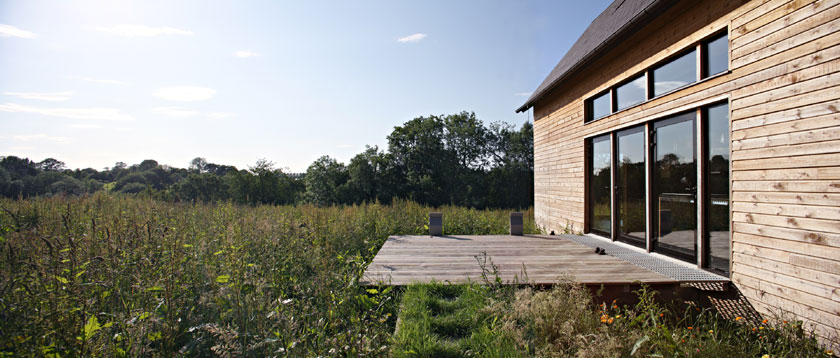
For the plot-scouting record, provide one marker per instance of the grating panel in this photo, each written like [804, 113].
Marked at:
[667, 268]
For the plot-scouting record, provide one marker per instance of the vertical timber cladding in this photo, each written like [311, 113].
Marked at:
[783, 96]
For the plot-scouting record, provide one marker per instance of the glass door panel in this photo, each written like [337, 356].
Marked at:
[717, 179]
[630, 186]
[675, 187]
[599, 185]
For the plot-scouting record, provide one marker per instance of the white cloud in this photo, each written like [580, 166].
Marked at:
[21, 148]
[344, 146]
[411, 38]
[245, 54]
[94, 113]
[523, 94]
[179, 112]
[185, 93]
[220, 115]
[143, 30]
[12, 31]
[84, 126]
[40, 137]
[102, 81]
[43, 96]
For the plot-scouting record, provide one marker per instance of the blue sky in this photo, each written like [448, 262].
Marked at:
[95, 82]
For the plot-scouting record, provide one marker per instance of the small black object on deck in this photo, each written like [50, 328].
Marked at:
[436, 224]
[516, 224]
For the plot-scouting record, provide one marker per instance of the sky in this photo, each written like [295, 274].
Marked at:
[92, 83]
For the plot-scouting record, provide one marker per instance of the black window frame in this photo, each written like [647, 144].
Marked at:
[642, 75]
[704, 54]
[700, 50]
[590, 155]
[590, 106]
[652, 77]
[702, 254]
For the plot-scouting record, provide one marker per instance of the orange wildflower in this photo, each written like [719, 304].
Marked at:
[764, 321]
[739, 318]
[690, 327]
[610, 321]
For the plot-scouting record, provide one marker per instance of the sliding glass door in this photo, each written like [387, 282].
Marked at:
[600, 185]
[664, 186]
[717, 182]
[630, 186]
[674, 182]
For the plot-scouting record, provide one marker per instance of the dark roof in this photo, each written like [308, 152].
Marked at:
[620, 19]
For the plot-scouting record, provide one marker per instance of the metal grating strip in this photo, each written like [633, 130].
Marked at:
[667, 268]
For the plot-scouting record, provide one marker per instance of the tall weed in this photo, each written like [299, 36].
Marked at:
[109, 275]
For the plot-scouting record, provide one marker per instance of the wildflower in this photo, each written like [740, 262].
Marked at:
[754, 329]
[610, 321]
[765, 356]
[682, 340]
[764, 321]
[690, 327]
[829, 352]
[785, 322]
[661, 315]
[739, 318]
[617, 316]
[760, 328]
[711, 331]
[615, 307]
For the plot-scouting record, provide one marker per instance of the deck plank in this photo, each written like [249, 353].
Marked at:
[408, 259]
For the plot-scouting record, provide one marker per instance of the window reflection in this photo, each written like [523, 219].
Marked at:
[718, 182]
[716, 59]
[600, 106]
[675, 187]
[675, 74]
[599, 179]
[631, 186]
[631, 93]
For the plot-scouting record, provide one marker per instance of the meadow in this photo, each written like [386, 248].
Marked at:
[491, 320]
[112, 275]
[109, 275]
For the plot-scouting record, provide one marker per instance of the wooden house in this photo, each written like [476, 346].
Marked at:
[708, 132]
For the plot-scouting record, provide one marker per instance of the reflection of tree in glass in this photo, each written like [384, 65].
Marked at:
[719, 190]
[631, 197]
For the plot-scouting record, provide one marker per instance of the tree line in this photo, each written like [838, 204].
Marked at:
[435, 160]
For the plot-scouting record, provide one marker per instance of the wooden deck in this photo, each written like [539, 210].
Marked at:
[408, 259]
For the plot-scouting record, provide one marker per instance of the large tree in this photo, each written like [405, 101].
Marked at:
[326, 182]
